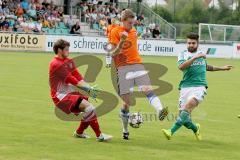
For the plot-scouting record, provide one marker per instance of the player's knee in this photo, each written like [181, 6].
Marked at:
[145, 89]
[127, 104]
[192, 103]
[89, 113]
[126, 101]
[89, 108]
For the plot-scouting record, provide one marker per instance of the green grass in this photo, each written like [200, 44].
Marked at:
[29, 129]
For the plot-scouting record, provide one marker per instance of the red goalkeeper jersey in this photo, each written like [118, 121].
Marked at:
[63, 75]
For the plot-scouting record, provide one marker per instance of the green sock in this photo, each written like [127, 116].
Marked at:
[175, 127]
[182, 118]
[191, 125]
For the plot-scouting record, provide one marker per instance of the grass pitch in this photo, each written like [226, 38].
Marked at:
[29, 129]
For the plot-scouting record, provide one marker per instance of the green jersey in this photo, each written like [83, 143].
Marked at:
[194, 75]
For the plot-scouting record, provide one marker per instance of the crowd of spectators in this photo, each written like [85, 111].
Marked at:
[39, 17]
[29, 15]
[99, 16]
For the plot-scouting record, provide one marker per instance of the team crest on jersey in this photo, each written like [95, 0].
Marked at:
[71, 65]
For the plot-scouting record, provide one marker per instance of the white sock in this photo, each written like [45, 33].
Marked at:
[154, 101]
[124, 116]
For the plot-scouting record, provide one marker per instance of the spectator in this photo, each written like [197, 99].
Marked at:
[51, 4]
[112, 14]
[15, 26]
[103, 23]
[87, 16]
[31, 25]
[12, 5]
[5, 25]
[76, 29]
[4, 3]
[95, 2]
[152, 26]
[60, 13]
[2, 19]
[146, 33]
[100, 8]
[85, 7]
[156, 32]
[55, 13]
[45, 3]
[40, 11]
[32, 12]
[52, 21]
[24, 25]
[11, 24]
[6, 10]
[39, 26]
[20, 19]
[140, 17]
[19, 11]
[25, 5]
[45, 23]
[139, 28]
[48, 10]
[93, 16]
[69, 22]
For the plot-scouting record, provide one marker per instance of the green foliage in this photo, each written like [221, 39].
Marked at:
[194, 12]
[164, 12]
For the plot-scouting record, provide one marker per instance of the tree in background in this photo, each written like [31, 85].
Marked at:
[164, 12]
[194, 12]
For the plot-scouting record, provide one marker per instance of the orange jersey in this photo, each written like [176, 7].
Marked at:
[129, 53]
[109, 29]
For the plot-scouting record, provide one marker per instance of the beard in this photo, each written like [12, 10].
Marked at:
[191, 49]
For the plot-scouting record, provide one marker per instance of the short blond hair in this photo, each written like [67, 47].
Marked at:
[127, 13]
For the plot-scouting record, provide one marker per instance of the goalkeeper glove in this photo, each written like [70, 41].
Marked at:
[92, 91]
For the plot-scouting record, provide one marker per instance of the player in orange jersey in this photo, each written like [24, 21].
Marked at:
[130, 70]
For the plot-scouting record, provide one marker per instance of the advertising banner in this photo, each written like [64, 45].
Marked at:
[22, 42]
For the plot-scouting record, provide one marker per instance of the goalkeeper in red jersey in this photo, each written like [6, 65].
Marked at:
[63, 79]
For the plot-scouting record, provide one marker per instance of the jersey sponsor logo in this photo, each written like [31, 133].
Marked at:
[198, 63]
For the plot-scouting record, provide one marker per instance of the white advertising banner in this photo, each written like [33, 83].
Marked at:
[95, 45]
[236, 50]
[79, 44]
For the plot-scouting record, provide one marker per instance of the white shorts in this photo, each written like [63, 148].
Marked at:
[191, 92]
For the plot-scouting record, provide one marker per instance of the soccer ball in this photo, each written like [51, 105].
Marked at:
[135, 120]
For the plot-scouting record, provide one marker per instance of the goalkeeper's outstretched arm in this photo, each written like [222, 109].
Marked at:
[82, 85]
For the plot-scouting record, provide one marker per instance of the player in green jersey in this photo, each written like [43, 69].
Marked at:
[192, 62]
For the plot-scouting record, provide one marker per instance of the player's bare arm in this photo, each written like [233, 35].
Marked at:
[187, 63]
[117, 48]
[216, 68]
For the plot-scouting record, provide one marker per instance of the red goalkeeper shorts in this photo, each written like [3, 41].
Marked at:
[70, 103]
